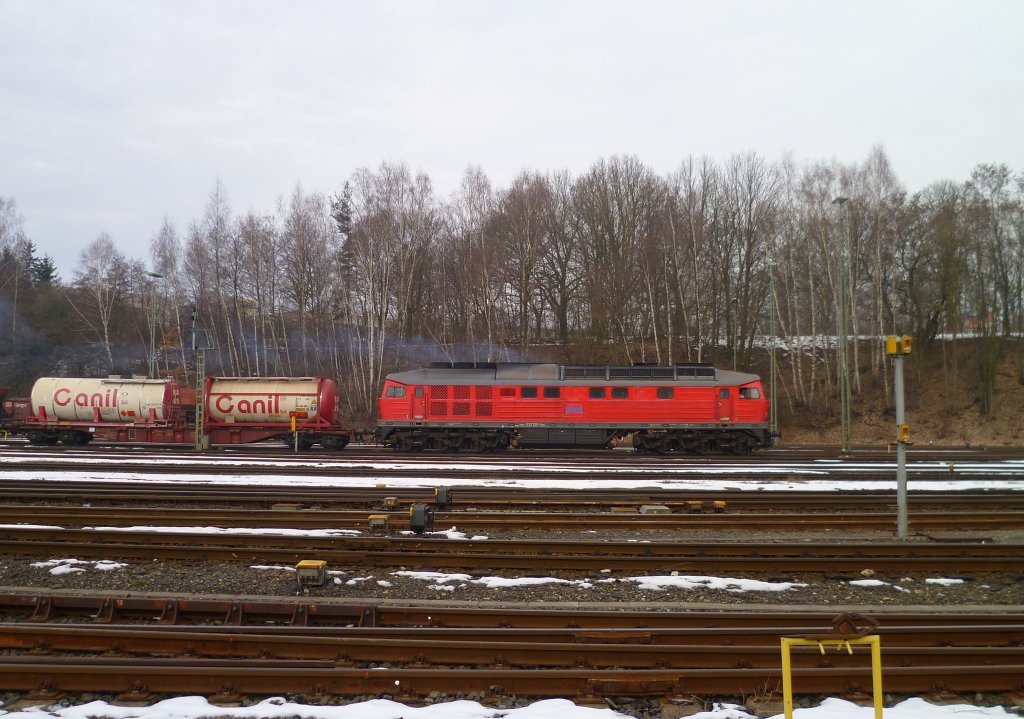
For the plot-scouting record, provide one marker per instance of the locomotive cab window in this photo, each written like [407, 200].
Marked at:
[723, 393]
[419, 391]
[749, 393]
[597, 393]
[528, 393]
[620, 392]
[552, 392]
[395, 392]
[666, 392]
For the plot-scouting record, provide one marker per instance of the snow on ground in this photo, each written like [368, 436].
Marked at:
[676, 473]
[448, 582]
[233, 530]
[667, 478]
[74, 566]
[729, 584]
[279, 708]
[452, 533]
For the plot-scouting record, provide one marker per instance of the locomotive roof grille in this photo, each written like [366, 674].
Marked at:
[640, 371]
[541, 373]
[463, 365]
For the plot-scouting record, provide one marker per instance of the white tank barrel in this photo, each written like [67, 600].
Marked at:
[252, 400]
[77, 399]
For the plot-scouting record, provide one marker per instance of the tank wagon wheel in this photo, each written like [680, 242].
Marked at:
[331, 443]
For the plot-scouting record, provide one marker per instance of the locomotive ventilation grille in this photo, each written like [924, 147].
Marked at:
[696, 371]
[461, 404]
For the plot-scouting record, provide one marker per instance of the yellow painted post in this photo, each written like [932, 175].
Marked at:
[787, 680]
[876, 673]
[876, 666]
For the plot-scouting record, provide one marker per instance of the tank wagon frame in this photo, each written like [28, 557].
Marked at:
[692, 408]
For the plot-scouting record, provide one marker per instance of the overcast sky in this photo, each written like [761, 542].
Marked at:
[114, 114]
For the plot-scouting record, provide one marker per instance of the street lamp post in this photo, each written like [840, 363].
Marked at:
[842, 321]
[152, 325]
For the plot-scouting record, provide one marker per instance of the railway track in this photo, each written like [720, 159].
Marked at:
[618, 465]
[144, 646]
[960, 557]
[15, 448]
[593, 498]
[627, 517]
[685, 654]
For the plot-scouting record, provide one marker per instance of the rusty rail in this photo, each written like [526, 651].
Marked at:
[965, 558]
[629, 518]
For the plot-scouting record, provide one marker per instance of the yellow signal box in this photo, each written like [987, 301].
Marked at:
[898, 345]
[904, 433]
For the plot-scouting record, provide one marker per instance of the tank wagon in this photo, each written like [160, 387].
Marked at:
[245, 409]
[693, 408]
[237, 410]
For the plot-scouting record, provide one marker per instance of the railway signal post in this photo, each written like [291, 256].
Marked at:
[897, 348]
[200, 343]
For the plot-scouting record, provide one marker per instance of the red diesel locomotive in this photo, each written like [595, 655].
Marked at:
[489, 407]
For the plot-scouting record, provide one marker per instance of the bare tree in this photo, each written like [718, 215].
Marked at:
[101, 279]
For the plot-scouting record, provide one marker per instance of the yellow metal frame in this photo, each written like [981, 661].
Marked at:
[876, 665]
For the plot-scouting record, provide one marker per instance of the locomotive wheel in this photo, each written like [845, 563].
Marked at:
[403, 443]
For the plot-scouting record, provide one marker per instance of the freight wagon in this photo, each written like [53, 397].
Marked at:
[237, 410]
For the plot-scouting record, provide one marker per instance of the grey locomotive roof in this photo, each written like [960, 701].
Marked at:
[541, 373]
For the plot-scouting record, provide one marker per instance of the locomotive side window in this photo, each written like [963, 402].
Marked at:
[508, 392]
[529, 393]
[395, 392]
[749, 393]
[552, 392]
[723, 393]
[597, 393]
[620, 392]
[666, 392]
[419, 391]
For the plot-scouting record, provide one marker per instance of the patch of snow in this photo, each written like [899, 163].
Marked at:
[729, 584]
[279, 708]
[868, 583]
